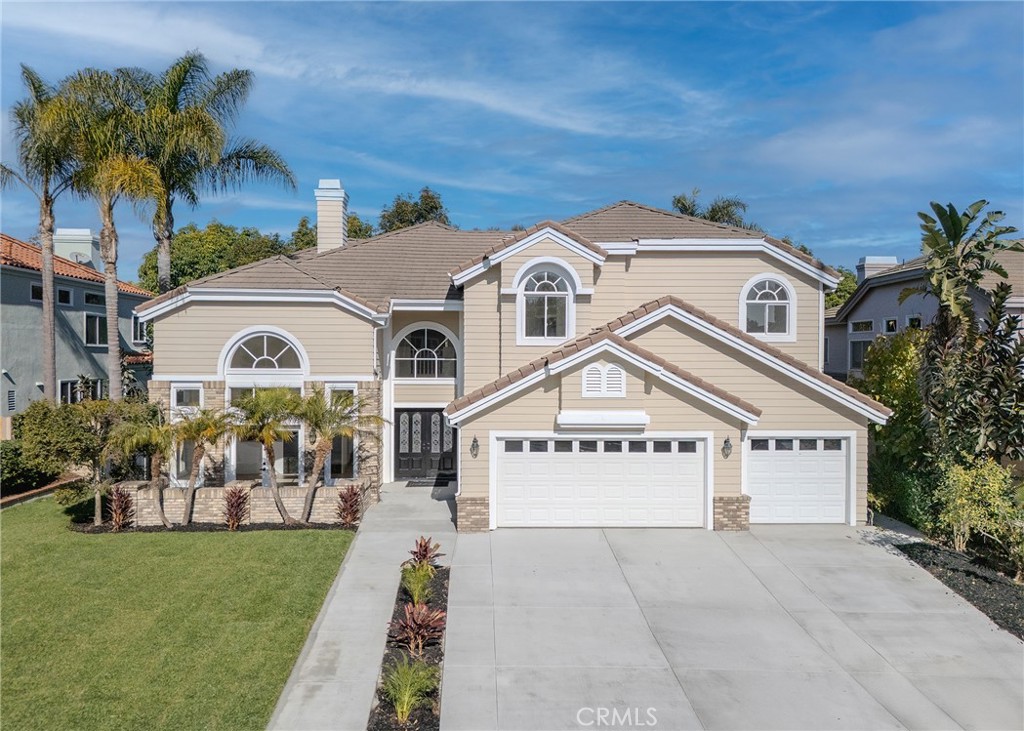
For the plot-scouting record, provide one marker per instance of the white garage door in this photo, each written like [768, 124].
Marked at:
[600, 482]
[797, 480]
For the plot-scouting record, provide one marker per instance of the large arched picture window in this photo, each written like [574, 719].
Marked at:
[547, 302]
[426, 353]
[767, 308]
[265, 352]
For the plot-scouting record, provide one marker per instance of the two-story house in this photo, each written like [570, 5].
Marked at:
[625, 367]
[80, 314]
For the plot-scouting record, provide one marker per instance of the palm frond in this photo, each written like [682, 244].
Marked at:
[247, 160]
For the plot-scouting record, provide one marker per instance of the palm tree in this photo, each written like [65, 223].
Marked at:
[103, 110]
[262, 417]
[46, 169]
[723, 209]
[339, 414]
[151, 436]
[204, 428]
[185, 115]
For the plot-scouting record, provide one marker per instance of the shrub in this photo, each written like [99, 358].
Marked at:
[973, 498]
[424, 553]
[1013, 540]
[902, 494]
[407, 684]
[418, 627]
[416, 582]
[121, 509]
[16, 476]
[349, 505]
[236, 507]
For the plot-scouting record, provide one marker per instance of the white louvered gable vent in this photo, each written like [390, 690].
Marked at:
[604, 381]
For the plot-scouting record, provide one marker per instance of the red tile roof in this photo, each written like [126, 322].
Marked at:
[16, 253]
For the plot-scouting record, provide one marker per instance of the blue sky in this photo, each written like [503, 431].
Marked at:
[835, 122]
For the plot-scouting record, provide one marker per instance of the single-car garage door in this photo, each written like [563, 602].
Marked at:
[600, 482]
[794, 480]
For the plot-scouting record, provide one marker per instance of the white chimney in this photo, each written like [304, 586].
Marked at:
[331, 215]
[78, 244]
[869, 266]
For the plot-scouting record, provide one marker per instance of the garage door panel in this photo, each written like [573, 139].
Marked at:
[603, 488]
[806, 484]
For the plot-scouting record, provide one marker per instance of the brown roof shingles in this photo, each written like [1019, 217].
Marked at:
[17, 253]
[520, 235]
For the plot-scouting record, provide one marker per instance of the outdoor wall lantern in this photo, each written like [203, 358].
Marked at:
[726, 448]
[474, 448]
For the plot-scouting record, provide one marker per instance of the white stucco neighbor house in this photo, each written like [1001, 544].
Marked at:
[628, 366]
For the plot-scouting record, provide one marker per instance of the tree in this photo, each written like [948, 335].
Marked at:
[843, 291]
[303, 237]
[406, 211]
[185, 114]
[262, 416]
[358, 228]
[55, 437]
[47, 167]
[204, 428]
[100, 108]
[148, 434]
[724, 210]
[329, 416]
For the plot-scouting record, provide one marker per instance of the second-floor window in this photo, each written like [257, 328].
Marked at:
[138, 330]
[767, 308]
[546, 306]
[95, 330]
[426, 353]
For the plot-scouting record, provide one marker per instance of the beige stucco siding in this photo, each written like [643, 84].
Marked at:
[424, 392]
[481, 330]
[189, 341]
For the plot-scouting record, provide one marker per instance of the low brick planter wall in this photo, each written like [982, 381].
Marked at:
[209, 502]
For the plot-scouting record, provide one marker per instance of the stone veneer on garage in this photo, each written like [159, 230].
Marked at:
[732, 512]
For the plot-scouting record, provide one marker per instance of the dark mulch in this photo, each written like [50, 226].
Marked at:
[208, 527]
[427, 718]
[991, 592]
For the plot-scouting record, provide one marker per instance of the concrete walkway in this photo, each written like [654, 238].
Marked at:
[783, 627]
[333, 682]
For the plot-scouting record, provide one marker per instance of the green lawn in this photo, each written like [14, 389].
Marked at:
[152, 630]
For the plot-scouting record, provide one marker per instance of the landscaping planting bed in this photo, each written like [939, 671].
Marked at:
[997, 596]
[210, 528]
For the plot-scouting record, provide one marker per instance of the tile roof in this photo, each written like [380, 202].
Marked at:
[138, 358]
[16, 253]
[515, 238]
[655, 305]
[582, 343]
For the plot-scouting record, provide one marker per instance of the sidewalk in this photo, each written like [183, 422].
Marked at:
[333, 682]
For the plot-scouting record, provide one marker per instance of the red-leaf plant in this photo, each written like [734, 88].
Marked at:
[418, 627]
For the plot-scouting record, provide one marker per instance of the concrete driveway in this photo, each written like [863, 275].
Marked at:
[784, 627]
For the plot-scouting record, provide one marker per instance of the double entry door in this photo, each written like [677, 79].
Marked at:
[425, 444]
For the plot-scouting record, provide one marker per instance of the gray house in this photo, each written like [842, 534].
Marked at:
[80, 315]
[875, 309]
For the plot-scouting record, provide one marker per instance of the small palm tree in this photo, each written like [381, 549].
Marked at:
[204, 428]
[329, 416]
[151, 436]
[47, 167]
[262, 417]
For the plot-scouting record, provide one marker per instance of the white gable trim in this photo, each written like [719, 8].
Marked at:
[605, 346]
[544, 233]
[722, 336]
[262, 295]
[536, 264]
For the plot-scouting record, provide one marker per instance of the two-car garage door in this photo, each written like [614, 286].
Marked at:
[600, 482]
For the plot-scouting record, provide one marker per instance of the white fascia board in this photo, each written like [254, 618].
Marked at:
[756, 353]
[618, 248]
[569, 419]
[747, 245]
[411, 305]
[263, 295]
[496, 258]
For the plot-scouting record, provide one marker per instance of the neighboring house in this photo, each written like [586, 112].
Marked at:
[875, 309]
[626, 367]
[81, 323]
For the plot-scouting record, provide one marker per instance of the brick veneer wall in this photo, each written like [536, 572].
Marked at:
[472, 514]
[732, 512]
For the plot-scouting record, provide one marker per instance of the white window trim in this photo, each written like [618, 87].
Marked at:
[894, 319]
[136, 322]
[277, 376]
[178, 480]
[522, 276]
[177, 411]
[790, 335]
[427, 324]
[85, 329]
[604, 392]
[861, 332]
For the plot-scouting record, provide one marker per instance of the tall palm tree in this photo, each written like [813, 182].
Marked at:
[328, 416]
[46, 167]
[262, 417]
[723, 209]
[102, 109]
[186, 115]
[204, 428]
[151, 436]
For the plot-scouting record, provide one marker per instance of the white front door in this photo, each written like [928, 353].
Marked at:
[600, 482]
[797, 480]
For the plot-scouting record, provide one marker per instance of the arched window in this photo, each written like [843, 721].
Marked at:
[767, 308]
[265, 352]
[547, 306]
[426, 353]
